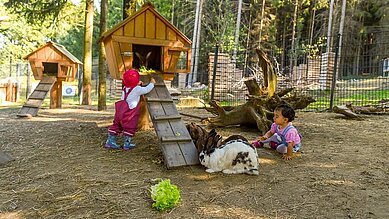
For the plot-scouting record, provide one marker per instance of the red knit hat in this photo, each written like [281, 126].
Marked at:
[130, 78]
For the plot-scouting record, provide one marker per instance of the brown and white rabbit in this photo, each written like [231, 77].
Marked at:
[235, 156]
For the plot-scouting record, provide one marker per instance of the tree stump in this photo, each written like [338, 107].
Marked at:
[258, 110]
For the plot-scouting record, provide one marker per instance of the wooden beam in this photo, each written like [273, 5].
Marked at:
[175, 139]
[144, 41]
[167, 117]
[150, 99]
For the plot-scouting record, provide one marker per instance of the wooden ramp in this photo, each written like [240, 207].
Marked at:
[35, 100]
[177, 145]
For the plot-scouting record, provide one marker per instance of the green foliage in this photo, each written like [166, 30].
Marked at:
[144, 69]
[37, 10]
[20, 35]
[165, 195]
[313, 49]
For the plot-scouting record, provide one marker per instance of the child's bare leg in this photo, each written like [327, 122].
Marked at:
[283, 149]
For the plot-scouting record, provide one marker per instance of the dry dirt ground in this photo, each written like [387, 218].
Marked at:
[61, 170]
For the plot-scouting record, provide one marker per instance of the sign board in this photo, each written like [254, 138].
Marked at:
[69, 91]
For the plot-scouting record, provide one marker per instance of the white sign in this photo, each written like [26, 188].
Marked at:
[69, 91]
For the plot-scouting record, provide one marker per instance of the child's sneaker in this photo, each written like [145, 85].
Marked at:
[273, 145]
[111, 142]
[257, 144]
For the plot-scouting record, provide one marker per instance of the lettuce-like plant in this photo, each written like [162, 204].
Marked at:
[165, 195]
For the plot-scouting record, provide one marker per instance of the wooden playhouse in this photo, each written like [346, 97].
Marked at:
[147, 32]
[51, 64]
[147, 39]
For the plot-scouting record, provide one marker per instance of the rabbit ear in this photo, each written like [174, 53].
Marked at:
[141, 59]
[147, 59]
[148, 55]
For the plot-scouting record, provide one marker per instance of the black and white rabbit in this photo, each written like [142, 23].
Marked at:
[235, 156]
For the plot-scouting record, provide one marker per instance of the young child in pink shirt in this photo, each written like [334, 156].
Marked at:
[127, 110]
[282, 136]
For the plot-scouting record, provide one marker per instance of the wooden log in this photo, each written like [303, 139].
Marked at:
[345, 111]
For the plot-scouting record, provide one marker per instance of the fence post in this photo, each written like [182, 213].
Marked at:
[28, 88]
[335, 72]
[214, 71]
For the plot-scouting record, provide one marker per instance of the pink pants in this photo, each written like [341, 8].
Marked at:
[126, 119]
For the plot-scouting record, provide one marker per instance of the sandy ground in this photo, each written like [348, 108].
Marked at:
[61, 170]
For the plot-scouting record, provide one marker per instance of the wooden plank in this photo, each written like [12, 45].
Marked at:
[140, 25]
[145, 41]
[43, 87]
[165, 139]
[33, 111]
[188, 149]
[118, 56]
[176, 143]
[129, 28]
[159, 85]
[24, 110]
[167, 117]
[33, 102]
[160, 29]
[172, 152]
[28, 111]
[48, 79]
[127, 60]
[150, 24]
[38, 95]
[171, 34]
[151, 99]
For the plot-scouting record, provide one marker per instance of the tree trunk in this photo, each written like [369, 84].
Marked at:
[102, 104]
[269, 74]
[88, 33]
[292, 58]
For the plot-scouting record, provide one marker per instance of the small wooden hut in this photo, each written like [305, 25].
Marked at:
[147, 39]
[53, 60]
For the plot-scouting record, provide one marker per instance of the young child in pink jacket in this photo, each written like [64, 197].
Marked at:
[282, 136]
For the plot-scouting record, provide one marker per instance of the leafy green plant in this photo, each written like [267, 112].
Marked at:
[165, 195]
[145, 70]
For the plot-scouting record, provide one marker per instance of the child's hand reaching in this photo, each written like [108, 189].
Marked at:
[262, 138]
[152, 80]
[286, 157]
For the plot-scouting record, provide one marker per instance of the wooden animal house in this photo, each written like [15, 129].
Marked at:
[147, 39]
[51, 64]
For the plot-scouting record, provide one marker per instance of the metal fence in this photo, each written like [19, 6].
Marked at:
[354, 74]
[20, 73]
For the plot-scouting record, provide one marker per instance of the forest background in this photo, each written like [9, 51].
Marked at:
[284, 28]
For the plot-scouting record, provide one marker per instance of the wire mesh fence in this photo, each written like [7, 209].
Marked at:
[332, 76]
[337, 75]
